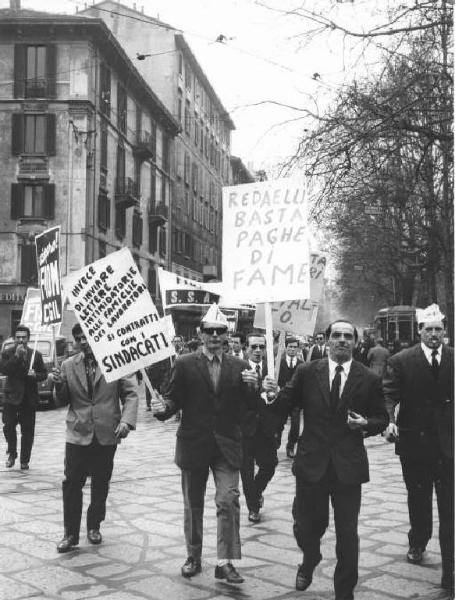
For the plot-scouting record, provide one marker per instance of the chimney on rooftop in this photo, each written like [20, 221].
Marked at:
[15, 4]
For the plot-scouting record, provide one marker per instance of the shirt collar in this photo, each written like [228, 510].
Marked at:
[427, 351]
[346, 366]
[253, 364]
[209, 355]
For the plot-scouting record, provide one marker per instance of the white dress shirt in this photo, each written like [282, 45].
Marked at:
[344, 373]
[427, 351]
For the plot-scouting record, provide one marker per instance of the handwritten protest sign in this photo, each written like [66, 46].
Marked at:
[117, 314]
[182, 291]
[265, 241]
[48, 259]
[298, 316]
[31, 314]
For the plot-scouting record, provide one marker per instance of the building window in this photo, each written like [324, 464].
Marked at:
[163, 190]
[102, 249]
[180, 64]
[120, 223]
[120, 174]
[33, 134]
[163, 236]
[196, 130]
[105, 89]
[137, 230]
[180, 106]
[194, 177]
[166, 152]
[32, 201]
[122, 108]
[104, 212]
[151, 282]
[153, 239]
[35, 71]
[103, 147]
[152, 202]
[187, 203]
[188, 77]
[187, 117]
[186, 169]
[29, 273]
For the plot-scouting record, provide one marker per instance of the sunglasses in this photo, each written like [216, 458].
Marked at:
[212, 330]
[257, 347]
[78, 338]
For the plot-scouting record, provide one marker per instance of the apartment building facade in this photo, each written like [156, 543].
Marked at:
[202, 150]
[87, 146]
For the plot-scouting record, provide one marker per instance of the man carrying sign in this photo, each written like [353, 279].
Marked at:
[100, 414]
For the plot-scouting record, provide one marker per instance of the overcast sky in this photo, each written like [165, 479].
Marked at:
[264, 60]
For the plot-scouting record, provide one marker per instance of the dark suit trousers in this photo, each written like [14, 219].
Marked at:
[23, 414]
[420, 476]
[194, 483]
[80, 462]
[261, 451]
[294, 429]
[311, 518]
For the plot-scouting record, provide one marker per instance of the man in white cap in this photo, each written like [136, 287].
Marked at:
[420, 380]
[213, 390]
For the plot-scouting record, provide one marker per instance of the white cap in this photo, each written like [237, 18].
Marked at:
[428, 314]
[214, 316]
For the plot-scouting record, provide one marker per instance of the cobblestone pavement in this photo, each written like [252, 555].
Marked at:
[143, 546]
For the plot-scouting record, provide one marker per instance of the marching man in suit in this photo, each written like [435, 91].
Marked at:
[99, 415]
[420, 380]
[213, 390]
[21, 395]
[341, 401]
[289, 363]
[319, 349]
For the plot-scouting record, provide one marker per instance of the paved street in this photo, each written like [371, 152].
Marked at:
[143, 546]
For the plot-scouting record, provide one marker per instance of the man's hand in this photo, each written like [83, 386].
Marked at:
[31, 373]
[122, 430]
[158, 405]
[56, 375]
[250, 377]
[391, 433]
[269, 385]
[21, 351]
[356, 421]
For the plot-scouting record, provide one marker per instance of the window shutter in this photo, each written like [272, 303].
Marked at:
[17, 201]
[19, 70]
[29, 270]
[49, 201]
[51, 134]
[51, 70]
[17, 134]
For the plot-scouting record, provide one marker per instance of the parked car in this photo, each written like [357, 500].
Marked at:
[45, 346]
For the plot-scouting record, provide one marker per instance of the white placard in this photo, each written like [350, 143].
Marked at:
[31, 314]
[117, 314]
[266, 241]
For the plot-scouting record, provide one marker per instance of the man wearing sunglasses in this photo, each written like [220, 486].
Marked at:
[319, 349]
[208, 387]
[260, 428]
[99, 415]
[342, 401]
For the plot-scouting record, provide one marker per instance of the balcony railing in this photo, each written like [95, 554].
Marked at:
[159, 214]
[127, 193]
[143, 148]
[36, 88]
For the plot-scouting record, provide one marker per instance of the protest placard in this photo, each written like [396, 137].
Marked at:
[298, 316]
[48, 261]
[117, 314]
[31, 314]
[182, 291]
[265, 241]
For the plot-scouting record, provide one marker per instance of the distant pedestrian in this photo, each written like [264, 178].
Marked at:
[377, 358]
[288, 366]
[21, 395]
[420, 380]
[208, 387]
[99, 415]
[342, 401]
[319, 349]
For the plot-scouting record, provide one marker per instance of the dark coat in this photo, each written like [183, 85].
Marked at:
[285, 372]
[208, 415]
[19, 386]
[425, 417]
[326, 436]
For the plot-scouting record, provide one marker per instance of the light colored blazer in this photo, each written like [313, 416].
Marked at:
[100, 415]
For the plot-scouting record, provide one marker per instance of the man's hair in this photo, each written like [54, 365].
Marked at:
[76, 330]
[328, 331]
[323, 333]
[238, 334]
[291, 340]
[23, 328]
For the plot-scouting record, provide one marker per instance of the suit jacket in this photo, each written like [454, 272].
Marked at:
[425, 416]
[285, 372]
[19, 386]
[326, 436]
[315, 354]
[208, 416]
[99, 415]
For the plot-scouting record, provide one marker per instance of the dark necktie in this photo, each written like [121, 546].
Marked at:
[258, 373]
[335, 389]
[291, 363]
[434, 364]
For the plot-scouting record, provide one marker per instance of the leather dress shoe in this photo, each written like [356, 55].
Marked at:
[254, 517]
[94, 536]
[10, 462]
[414, 555]
[67, 544]
[290, 453]
[24, 467]
[303, 578]
[229, 573]
[191, 567]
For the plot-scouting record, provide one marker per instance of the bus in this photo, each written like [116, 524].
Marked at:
[397, 323]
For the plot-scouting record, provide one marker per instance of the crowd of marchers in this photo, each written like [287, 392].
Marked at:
[336, 390]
